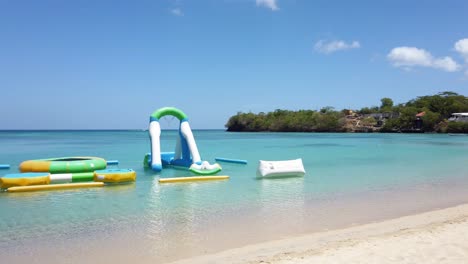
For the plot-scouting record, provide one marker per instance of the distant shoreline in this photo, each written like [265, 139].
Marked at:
[441, 113]
[224, 130]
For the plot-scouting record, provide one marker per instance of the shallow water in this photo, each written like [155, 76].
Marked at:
[351, 178]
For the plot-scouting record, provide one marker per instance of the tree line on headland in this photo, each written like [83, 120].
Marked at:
[422, 114]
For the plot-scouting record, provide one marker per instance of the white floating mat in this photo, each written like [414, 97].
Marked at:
[280, 168]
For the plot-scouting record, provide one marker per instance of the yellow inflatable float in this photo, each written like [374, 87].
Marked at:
[114, 175]
[55, 186]
[193, 178]
[24, 179]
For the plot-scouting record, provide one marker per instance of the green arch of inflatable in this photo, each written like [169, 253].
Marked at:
[169, 111]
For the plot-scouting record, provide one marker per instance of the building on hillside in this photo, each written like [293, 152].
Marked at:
[381, 117]
[459, 117]
[418, 122]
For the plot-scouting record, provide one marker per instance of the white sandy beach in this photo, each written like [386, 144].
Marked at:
[439, 236]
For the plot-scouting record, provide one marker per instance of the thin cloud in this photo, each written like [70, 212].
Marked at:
[408, 57]
[177, 12]
[271, 4]
[338, 45]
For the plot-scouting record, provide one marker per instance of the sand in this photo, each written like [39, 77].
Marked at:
[439, 236]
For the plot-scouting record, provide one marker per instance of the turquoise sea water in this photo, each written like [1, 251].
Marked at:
[351, 178]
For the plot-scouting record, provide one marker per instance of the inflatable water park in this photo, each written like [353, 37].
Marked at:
[87, 171]
[186, 153]
[64, 173]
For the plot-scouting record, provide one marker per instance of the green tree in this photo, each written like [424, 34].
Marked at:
[430, 121]
[437, 107]
[368, 121]
[327, 109]
[386, 104]
[365, 111]
[457, 127]
[391, 125]
[407, 117]
[368, 110]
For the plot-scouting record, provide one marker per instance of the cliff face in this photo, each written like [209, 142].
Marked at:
[368, 122]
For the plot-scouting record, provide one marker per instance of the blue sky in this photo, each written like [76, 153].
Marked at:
[110, 64]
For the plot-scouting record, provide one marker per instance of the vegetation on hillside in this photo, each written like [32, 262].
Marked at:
[385, 118]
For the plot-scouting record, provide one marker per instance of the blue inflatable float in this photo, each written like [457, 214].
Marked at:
[239, 161]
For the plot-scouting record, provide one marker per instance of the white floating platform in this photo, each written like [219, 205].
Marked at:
[280, 168]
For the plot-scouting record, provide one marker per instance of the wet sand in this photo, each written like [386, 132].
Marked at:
[439, 236]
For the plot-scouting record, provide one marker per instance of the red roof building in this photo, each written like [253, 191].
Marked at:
[420, 114]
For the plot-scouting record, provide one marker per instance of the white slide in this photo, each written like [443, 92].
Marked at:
[188, 135]
[155, 134]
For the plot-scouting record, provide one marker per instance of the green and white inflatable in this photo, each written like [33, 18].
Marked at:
[186, 152]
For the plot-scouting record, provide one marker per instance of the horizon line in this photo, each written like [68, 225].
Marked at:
[99, 129]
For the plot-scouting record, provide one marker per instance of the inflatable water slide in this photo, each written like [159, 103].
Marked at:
[186, 153]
